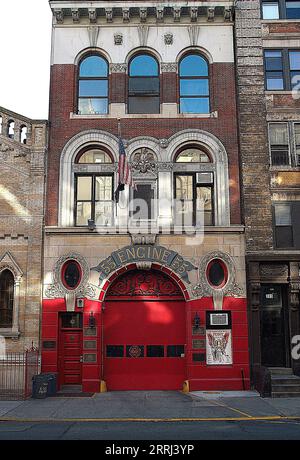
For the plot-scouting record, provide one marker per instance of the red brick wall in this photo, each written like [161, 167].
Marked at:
[62, 128]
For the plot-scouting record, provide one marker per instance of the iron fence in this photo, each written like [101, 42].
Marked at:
[16, 372]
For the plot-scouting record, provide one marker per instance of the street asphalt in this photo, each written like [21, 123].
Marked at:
[155, 415]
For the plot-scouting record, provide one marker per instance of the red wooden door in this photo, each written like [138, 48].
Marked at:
[70, 350]
[144, 338]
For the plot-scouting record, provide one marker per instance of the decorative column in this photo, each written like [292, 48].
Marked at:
[294, 307]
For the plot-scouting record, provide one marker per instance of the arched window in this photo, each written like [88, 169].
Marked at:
[143, 91]
[23, 134]
[93, 188]
[6, 298]
[11, 129]
[194, 84]
[194, 189]
[93, 86]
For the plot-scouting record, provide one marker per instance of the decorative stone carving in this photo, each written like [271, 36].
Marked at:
[168, 38]
[144, 162]
[143, 14]
[176, 13]
[228, 14]
[126, 14]
[59, 15]
[118, 68]
[160, 13]
[271, 270]
[118, 39]
[93, 32]
[57, 288]
[5, 148]
[144, 265]
[143, 32]
[169, 67]
[92, 15]
[193, 34]
[194, 13]
[165, 166]
[164, 142]
[143, 239]
[204, 289]
[109, 14]
[211, 13]
[75, 14]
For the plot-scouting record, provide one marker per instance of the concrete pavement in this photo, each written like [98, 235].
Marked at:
[152, 406]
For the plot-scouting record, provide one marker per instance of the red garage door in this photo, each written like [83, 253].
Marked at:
[144, 337]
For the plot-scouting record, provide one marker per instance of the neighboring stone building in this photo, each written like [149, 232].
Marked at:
[268, 68]
[122, 306]
[22, 177]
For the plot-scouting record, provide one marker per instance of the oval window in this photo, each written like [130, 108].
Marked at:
[217, 273]
[71, 274]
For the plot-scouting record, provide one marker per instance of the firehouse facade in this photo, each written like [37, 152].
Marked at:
[149, 292]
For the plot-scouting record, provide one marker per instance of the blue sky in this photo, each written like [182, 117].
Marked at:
[25, 35]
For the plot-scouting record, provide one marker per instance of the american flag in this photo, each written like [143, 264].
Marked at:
[124, 172]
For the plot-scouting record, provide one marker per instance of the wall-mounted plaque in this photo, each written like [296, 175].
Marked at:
[49, 345]
[218, 319]
[198, 344]
[90, 331]
[89, 344]
[89, 358]
[199, 357]
[199, 330]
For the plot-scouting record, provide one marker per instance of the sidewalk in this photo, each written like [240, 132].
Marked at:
[152, 406]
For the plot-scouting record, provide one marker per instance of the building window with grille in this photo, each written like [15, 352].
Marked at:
[287, 225]
[6, 298]
[281, 9]
[93, 86]
[194, 84]
[143, 85]
[279, 144]
[93, 188]
[193, 190]
[284, 144]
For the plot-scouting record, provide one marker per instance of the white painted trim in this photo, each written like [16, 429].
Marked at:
[68, 155]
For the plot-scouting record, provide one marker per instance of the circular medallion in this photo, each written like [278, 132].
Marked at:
[135, 351]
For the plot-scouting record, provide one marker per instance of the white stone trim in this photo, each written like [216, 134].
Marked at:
[194, 49]
[143, 142]
[66, 182]
[220, 160]
[93, 50]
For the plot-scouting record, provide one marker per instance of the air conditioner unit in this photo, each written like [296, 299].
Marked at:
[205, 178]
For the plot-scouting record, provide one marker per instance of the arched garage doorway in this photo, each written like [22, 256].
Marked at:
[144, 333]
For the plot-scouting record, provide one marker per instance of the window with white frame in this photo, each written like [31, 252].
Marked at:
[6, 299]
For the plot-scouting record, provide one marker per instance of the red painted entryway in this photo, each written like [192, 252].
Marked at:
[70, 349]
[144, 333]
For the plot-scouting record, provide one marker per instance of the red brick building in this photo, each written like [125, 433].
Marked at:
[149, 292]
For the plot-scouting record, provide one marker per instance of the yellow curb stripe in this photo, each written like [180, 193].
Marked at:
[147, 420]
[231, 408]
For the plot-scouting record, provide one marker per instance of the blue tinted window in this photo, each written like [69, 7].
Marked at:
[93, 66]
[93, 88]
[293, 10]
[143, 66]
[193, 66]
[194, 87]
[194, 105]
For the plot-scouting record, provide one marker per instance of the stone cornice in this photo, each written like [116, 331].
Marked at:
[141, 11]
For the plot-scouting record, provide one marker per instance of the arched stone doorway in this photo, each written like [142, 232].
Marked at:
[144, 333]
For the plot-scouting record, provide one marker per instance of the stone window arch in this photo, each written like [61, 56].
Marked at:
[10, 279]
